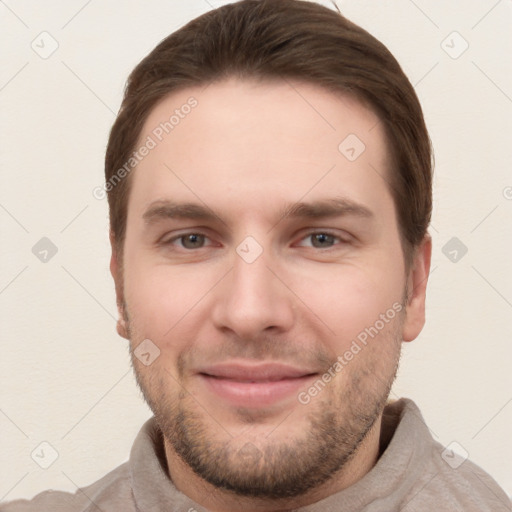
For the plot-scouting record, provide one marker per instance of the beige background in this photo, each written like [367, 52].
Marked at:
[65, 375]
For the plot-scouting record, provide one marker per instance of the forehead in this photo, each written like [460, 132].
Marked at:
[240, 140]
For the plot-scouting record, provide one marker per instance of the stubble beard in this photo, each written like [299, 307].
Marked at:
[280, 469]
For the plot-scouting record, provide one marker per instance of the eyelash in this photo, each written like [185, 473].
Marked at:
[307, 235]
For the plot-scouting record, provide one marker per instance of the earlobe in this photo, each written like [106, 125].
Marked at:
[117, 275]
[121, 328]
[417, 287]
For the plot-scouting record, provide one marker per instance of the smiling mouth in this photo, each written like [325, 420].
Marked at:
[255, 386]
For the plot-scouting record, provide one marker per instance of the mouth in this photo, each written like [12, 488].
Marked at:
[252, 386]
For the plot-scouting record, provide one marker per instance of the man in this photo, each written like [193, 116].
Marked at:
[269, 183]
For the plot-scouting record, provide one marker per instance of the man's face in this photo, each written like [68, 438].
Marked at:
[252, 304]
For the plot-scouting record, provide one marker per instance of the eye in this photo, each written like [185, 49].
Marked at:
[188, 240]
[322, 240]
[318, 240]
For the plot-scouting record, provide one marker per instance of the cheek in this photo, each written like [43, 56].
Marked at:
[161, 299]
[350, 298]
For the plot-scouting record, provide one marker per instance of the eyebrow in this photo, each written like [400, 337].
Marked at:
[333, 207]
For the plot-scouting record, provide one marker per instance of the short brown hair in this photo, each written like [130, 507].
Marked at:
[283, 39]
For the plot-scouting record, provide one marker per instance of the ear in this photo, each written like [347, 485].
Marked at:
[417, 287]
[115, 270]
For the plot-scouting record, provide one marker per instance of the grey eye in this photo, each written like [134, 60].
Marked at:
[322, 240]
[192, 240]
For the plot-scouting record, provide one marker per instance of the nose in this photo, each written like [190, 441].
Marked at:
[253, 298]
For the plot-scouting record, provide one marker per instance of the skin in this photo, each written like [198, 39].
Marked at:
[247, 151]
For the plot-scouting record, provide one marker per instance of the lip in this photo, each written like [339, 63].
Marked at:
[249, 385]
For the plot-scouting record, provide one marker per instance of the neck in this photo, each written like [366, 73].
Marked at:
[221, 500]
